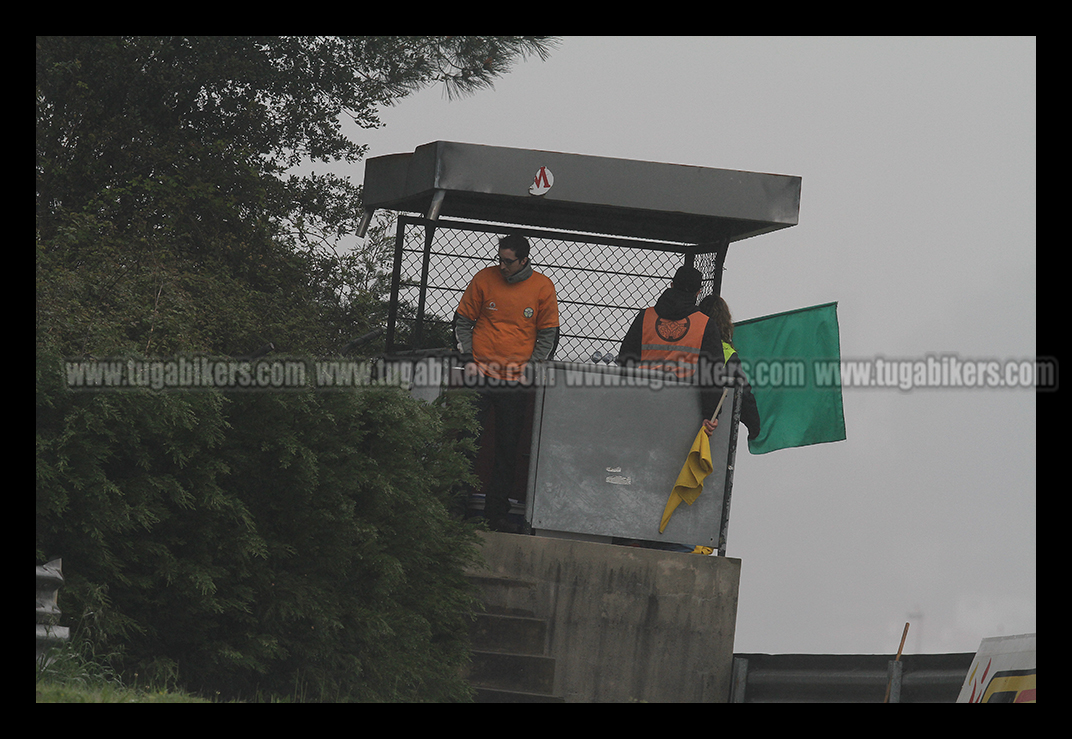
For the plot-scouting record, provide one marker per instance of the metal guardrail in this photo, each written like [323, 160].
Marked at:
[848, 678]
[49, 633]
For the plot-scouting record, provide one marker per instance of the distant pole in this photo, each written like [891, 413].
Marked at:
[918, 616]
[904, 635]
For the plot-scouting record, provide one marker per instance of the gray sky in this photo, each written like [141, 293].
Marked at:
[917, 214]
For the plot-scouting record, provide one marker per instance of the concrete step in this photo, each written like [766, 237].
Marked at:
[506, 595]
[494, 632]
[524, 673]
[509, 661]
[491, 695]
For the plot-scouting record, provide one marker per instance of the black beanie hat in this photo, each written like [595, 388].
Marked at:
[688, 279]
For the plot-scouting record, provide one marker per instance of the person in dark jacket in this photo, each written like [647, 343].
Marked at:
[675, 336]
[718, 310]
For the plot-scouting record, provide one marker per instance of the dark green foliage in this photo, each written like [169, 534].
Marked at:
[252, 542]
[292, 543]
[169, 214]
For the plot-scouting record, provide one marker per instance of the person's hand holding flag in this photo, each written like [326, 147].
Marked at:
[698, 465]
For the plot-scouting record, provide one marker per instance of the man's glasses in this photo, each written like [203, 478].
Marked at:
[505, 261]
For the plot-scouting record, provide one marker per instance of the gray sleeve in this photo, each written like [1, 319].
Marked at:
[463, 333]
[546, 338]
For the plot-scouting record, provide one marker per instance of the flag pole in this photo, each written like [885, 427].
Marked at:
[725, 392]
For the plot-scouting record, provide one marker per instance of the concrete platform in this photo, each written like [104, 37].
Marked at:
[624, 624]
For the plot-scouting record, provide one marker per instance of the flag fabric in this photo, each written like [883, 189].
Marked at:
[689, 482]
[792, 360]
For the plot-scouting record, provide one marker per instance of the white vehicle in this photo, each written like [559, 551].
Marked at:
[1003, 671]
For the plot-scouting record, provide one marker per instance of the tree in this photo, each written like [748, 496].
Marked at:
[165, 162]
[241, 541]
[249, 543]
[231, 114]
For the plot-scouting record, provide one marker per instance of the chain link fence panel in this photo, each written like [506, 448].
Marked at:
[601, 282]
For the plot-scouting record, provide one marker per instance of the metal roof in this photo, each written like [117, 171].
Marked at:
[621, 197]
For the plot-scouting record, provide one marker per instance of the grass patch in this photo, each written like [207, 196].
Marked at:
[53, 692]
[75, 673]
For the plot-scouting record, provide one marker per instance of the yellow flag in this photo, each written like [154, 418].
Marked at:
[689, 483]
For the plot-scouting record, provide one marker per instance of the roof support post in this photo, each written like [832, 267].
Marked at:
[720, 262]
[396, 279]
[426, 258]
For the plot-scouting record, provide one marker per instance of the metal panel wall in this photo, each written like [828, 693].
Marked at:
[608, 444]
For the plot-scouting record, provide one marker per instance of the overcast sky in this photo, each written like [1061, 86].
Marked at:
[917, 214]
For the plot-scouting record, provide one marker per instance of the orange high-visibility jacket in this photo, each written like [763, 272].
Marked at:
[672, 345]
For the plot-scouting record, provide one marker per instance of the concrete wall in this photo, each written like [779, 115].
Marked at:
[625, 624]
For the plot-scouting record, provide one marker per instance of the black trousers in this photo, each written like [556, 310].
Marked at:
[510, 402]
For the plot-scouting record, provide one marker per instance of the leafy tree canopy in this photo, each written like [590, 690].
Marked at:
[241, 542]
[167, 211]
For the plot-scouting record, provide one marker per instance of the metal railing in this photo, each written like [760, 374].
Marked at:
[848, 678]
[49, 633]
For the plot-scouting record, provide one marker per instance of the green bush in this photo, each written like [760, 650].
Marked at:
[243, 544]
[262, 543]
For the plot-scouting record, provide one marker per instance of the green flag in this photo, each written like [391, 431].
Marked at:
[792, 361]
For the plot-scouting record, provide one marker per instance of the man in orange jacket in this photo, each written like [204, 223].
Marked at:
[675, 336]
[507, 317]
